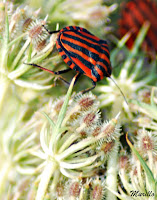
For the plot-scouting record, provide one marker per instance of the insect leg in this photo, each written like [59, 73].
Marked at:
[63, 71]
[62, 79]
[89, 89]
[52, 72]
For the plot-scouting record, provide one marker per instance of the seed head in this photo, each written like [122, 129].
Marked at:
[73, 189]
[40, 45]
[107, 147]
[36, 32]
[26, 24]
[80, 104]
[60, 190]
[89, 118]
[110, 130]
[147, 141]
[98, 190]
[96, 131]
[123, 161]
[86, 102]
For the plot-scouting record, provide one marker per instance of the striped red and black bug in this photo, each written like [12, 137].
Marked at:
[133, 15]
[83, 52]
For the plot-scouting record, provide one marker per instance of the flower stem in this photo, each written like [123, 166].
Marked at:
[4, 84]
[21, 52]
[111, 179]
[4, 172]
[45, 178]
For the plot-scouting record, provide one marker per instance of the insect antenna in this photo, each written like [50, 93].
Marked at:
[119, 89]
[50, 32]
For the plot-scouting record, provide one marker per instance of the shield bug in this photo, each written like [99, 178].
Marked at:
[83, 52]
[133, 15]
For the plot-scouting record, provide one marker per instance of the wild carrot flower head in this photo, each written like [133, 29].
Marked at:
[64, 150]
[129, 79]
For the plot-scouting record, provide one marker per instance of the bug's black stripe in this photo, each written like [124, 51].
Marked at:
[94, 46]
[149, 40]
[80, 34]
[106, 47]
[95, 74]
[85, 62]
[64, 57]
[72, 28]
[76, 29]
[134, 19]
[60, 50]
[85, 36]
[94, 56]
[86, 31]
[102, 69]
[103, 42]
[138, 24]
[80, 29]
[145, 15]
[106, 73]
[65, 29]
[150, 6]
[76, 67]
[69, 63]
[154, 7]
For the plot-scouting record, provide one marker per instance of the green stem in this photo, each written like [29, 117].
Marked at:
[4, 171]
[16, 39]
[55, 181]
[45, 178]
[4, 49]
[111, 179]
[4, 84]
[61, 116]
[21, 52]
[19, 71]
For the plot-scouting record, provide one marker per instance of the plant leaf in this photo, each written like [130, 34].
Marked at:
[147, 170]
[32, 85]
[140, 37]
[150, 110]
[65, 104]
[49, 119]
